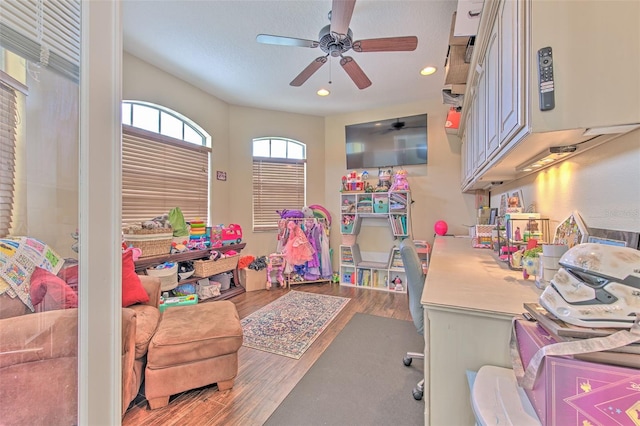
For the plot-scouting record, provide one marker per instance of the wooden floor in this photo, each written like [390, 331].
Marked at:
[264, 379]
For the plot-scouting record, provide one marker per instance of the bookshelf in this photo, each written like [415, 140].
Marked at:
[385, 272]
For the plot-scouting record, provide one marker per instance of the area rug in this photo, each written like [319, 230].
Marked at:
[290, 324]
[360, 379]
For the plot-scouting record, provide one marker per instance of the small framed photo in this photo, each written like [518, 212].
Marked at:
[221, 175]
[571, 231]
[515, 202]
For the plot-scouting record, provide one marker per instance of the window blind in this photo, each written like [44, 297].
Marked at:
[160, 173]
[8, 122]
[46, 32]
[277, 185]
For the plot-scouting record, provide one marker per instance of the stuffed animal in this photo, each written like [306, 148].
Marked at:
[400, 182]
[289, 214]
[384, 180]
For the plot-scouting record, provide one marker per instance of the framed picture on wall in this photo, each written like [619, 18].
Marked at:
[515, 202]
[571, 231]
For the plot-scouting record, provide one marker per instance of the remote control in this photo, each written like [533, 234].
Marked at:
[545, 76]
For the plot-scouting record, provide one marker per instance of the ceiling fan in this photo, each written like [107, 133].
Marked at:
[401, 125]
[336, 39]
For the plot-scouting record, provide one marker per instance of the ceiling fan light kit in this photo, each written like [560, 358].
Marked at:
[335, 40]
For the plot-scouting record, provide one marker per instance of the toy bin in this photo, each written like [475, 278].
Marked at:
[224, 280]
[168, 274]
[381, 204]
[347, 228]
[253, 280]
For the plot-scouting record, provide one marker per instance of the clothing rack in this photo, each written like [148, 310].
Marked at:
[319, 268]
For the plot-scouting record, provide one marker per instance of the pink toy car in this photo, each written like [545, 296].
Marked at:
[231, 235]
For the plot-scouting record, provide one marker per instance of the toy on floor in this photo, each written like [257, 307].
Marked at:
[275, 262]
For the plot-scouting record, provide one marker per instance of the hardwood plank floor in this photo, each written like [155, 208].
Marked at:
[264, 379]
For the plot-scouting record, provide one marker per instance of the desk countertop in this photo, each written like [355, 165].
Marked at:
[465, 278]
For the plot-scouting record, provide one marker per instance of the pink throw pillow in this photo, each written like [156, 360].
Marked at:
[49, 292]
[132, 290]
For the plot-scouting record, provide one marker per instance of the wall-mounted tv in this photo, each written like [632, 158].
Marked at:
[398, 141]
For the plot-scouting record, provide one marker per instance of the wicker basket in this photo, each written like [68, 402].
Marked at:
[168, 276]
[206, 268]
[152, 242]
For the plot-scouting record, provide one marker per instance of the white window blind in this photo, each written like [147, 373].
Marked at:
[8, 121]
[277, 185]
[46, 32]
[160, 173]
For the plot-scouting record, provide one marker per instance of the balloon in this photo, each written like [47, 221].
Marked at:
[441, 227]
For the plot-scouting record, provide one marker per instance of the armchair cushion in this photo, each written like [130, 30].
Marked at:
[132, 290]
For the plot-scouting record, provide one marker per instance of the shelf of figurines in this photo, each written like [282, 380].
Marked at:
[388, 180]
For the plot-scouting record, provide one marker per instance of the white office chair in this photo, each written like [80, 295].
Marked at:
[415, 282]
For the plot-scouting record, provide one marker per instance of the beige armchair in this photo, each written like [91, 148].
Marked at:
[38, 350]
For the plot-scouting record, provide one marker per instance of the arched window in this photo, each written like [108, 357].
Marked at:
[279, 179]
[165, 164]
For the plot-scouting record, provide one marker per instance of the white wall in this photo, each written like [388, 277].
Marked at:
[435, 188]
[144, 82]
[249, 123]
[602, 184]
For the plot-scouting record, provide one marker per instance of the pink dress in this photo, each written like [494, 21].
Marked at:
[297, 250]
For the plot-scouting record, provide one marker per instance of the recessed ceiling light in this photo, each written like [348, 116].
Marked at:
[428, 70]
[323, 92]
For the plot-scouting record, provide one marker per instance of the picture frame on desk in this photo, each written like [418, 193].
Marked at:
[493, 216]
[571, 231]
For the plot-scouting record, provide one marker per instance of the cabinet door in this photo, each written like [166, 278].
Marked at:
[510, 77]
[480, 113]
[492, 81]
[469, 132]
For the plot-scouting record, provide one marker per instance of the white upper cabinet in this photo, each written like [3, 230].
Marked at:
[596, 60]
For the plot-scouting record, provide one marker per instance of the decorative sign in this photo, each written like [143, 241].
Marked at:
[221, 175]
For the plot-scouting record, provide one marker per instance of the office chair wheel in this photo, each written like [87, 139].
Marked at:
[407, 360]
[417, 394]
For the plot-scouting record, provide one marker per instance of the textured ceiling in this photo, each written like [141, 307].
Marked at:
[212, 45]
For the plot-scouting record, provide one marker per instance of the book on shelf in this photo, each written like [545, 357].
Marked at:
[398, 224]
[400, 197]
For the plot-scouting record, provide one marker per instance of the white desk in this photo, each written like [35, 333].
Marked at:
[469, 299]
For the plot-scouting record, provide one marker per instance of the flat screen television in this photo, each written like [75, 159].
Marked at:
[394, 142]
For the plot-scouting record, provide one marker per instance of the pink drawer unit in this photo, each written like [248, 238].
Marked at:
[574, 392]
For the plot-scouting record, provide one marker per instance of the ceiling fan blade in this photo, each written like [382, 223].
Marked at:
[390, 44]
[308, 71]
[355, 72]
[285, 41]
[341, 11]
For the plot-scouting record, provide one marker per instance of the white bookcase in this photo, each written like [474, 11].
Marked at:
[383, 272]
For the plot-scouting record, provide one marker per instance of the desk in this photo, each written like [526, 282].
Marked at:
[143, 263]
[469, 299]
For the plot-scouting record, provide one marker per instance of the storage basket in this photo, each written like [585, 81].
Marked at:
[168, 276]
[206, 268]
[152, 242]
[224, 280]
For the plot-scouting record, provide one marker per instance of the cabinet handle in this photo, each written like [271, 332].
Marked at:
[473, 14]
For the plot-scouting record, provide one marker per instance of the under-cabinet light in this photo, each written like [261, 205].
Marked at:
[610, 130]
[546, 157]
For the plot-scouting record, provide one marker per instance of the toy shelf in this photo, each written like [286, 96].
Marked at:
[392, 206]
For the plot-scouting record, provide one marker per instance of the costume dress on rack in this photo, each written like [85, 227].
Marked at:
[297, 250]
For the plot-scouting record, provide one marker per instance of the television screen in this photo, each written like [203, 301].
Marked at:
[393, 142]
